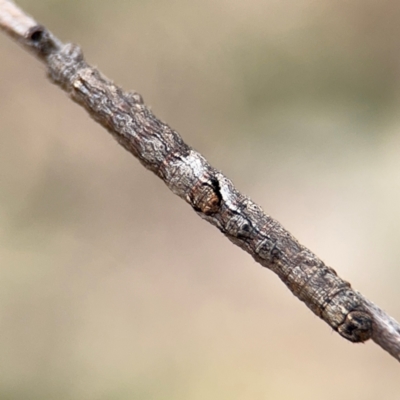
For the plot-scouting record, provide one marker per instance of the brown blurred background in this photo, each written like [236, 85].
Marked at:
[112, 288]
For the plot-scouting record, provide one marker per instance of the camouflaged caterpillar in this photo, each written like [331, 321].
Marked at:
[308, 278]
[317, 285]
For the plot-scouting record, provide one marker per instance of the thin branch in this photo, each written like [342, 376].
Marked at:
[211, 195]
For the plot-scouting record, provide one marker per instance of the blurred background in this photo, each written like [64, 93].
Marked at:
[113, 288]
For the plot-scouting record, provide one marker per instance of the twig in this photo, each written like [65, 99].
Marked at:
[212, 196]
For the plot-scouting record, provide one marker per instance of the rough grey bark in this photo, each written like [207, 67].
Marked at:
[211, 195]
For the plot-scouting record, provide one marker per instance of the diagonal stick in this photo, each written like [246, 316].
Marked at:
[211, 195]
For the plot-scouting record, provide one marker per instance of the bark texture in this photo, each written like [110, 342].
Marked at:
[211, 195]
